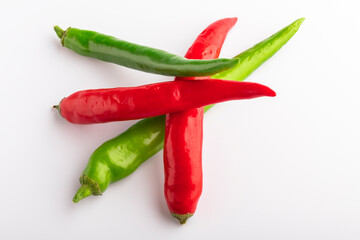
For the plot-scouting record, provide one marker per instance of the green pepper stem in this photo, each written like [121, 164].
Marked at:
[59, 31]
[182, 217]
[83, 192]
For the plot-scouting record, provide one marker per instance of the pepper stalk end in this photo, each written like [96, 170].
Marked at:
[59, 31]
[83, 192]
[57, 107]
[182, 217]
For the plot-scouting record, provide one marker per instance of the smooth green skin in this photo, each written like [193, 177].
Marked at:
[122, 155]
[111, 49]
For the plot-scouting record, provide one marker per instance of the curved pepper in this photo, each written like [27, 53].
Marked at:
[124, 153]
[128, 103]
[184, 134]
[111, 49]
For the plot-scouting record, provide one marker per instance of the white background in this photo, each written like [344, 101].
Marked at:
[274, 168]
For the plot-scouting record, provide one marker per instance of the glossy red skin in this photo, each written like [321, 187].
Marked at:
[128, 103]
[184, 131]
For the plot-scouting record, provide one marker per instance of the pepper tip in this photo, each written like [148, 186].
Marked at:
[272, 93]
[298, 22]
[234, 20]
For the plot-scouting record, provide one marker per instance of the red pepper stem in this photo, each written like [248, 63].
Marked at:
[57, 107]
[182, 217]
[83, 192]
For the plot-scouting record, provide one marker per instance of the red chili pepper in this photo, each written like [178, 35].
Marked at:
[184, 134]
[127, 103]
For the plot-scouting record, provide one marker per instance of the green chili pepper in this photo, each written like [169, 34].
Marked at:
[111, 49]
[122, 155]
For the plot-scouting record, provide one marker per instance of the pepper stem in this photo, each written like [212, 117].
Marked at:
[59, 31]
[182, 217]
[57, 107]
[83, 192]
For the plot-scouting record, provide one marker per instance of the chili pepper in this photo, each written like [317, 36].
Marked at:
[123, 154]
[184, 133]
[252, 58]
[111, 49]
[128, 103]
